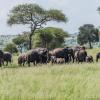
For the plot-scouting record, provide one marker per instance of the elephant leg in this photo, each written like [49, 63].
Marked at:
[78, 60]
[0, 63]
[6, 63]
[66, 59]
[34, 63]
[92, 60]
[69, 58]
[23, 63]
[10, 61]
[28, 64]
[73, 58]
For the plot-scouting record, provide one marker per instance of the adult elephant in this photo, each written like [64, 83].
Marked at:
[7, 57]
[38, 55]
[97, 56]
[1, 57]
[22, 59]
[81, 56]
[60, 53]
[43, 53]
[71, 55]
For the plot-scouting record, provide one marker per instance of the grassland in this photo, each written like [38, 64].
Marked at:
[47, 82]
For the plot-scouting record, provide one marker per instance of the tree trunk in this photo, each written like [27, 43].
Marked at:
[30, 42]
[90, 45]
[30, 36]
[21, 49]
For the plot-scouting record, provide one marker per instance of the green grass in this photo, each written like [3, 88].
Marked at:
[66, 82]
[93, 52]
[47, 82]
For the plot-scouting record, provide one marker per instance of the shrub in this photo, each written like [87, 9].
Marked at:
[11, 47]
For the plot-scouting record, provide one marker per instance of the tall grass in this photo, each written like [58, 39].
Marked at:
[46, 82]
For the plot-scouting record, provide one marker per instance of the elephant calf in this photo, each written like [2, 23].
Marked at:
[89, 59]
[60, 60]
[22, 59]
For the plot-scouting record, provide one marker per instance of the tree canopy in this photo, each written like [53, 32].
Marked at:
[87, 34]
[35, 16]
[49, 37]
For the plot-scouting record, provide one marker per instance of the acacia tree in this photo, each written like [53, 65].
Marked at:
[35, 16]
[87, 34]
[49, 37]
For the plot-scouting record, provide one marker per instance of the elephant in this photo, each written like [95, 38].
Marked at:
[38, 55]
[89, 59]
[81, 56]
[66, 53]
[60, 53]
[7, 57]
[97, 56]
[1, 57]
[71, 54]
[22, 59]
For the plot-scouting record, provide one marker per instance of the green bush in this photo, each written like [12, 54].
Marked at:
[11, 47]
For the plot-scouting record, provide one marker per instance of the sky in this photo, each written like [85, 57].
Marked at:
[78, 12]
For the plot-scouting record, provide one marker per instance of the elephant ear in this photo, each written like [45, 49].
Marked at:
[45, 50]
[65, 50]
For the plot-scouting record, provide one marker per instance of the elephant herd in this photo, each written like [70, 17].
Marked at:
[44, 56]
[56, 56]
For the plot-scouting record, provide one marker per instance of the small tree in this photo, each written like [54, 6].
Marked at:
[87, 34]
[35, 16]
[42, 38]
[49, 37]
[21, 41]
[11, 48]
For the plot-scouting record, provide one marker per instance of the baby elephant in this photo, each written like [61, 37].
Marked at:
[89, 59]
[22, 59]
[53, 59]
[60, 60]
